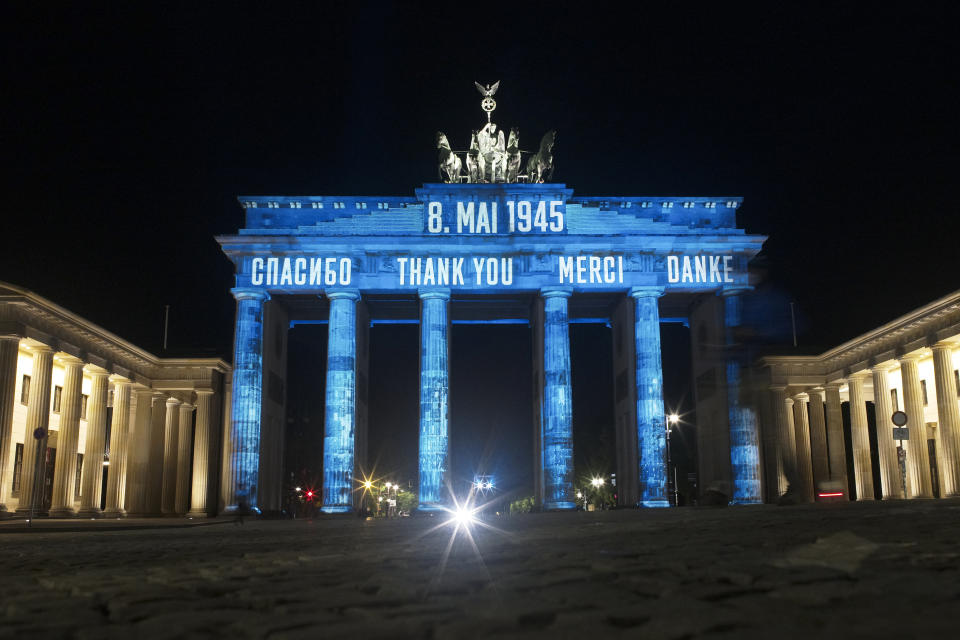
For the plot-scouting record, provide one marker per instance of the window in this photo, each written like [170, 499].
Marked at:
[17, 468]
[83, 406]
[57, 394]
[923, 391]
[894, 402]
[76, 482]
[25, 390]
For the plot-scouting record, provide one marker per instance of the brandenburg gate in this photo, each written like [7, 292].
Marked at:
[491, 241]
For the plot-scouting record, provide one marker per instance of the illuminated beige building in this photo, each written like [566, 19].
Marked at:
[92, 424]
[827, 422]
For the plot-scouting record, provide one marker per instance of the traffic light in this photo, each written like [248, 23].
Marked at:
[309, 494]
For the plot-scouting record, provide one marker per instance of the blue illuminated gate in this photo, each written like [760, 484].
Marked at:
[639, 255]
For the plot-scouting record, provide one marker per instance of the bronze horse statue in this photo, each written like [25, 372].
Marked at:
[513, 155]
[449, 162]
[476, 164]
[540, 165]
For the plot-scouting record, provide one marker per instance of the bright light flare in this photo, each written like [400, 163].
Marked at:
[463, 516]
[673, 418]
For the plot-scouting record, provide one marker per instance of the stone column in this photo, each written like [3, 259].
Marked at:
[184, 448]
[91, 478]
[340, 419]
[9, 349]
[119, 431]
[33, 469]
[948, 415]
[201, 455]
[818, 439]
[242, 465]
[860, 437]
[158, 422]
[918, 459]
[835, 439]
[890, 484]
[168, 492]
[557, 403]
[68, 437]
[784, 459]
[434, 399]
[651, 426]
[801, 432]
[138, 454]
[744, 433]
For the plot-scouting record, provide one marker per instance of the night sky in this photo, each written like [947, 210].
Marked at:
[128, 133]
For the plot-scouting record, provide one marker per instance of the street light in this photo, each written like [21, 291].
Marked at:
[672, 420]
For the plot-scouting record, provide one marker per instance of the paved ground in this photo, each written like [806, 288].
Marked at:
[875, 570]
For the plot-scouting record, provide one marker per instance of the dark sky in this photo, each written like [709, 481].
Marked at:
[128, 132]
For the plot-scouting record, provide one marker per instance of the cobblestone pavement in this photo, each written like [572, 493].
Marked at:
[869, 570]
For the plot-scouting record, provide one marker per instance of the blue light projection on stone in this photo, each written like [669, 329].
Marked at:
[340, 419]
[651, 426]
[558, 403]
[434, 390]
[246, 403]
[744, 434]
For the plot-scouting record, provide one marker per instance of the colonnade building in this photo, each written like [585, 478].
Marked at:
[491, 252]
[828, 419]
[93, 425]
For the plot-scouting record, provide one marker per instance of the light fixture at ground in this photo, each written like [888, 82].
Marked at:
[463, 516]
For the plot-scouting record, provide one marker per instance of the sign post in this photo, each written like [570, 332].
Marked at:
[901, 433]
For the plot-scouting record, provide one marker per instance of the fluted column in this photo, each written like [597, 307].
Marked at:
[119, 431]
[201, 455]
[158, 422]
[243, 460]
[9, 348]
[91, 480]
[38, 422]
[801, 432]
[434, 399]
[744, 431]
[818, 439]
[890, 483]
[557, 403]
[948, 415]
[651, 425]
[835, 439]
[784, 458]
[860, 437]
[340, 419]
[138, 454]
[68, 437]
[918, 458]
[168, 498]
[184, 449]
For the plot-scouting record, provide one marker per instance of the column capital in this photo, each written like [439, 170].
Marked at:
[66, 359]
[186, 406]
[646, 292]
[909, 357]
[439, 294]
[94, 371]
[120, 381]
[10, 336]
[887, 365]
[556, 292]
[778, 387]
[343, 294]
[39, 348]
[818, 392]
[944, 344]
[860, 375]
[802, 397]
[204, 392]
[248, 293]
[172, 402]
[789, 401]
[735, 290]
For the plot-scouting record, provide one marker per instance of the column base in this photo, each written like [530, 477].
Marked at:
[62, 512]
[746, 501]
[336, 509]
[90, 512]
[25, 513]
[198, 514]
[655, 504]
[114, 513]
[559, 506]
